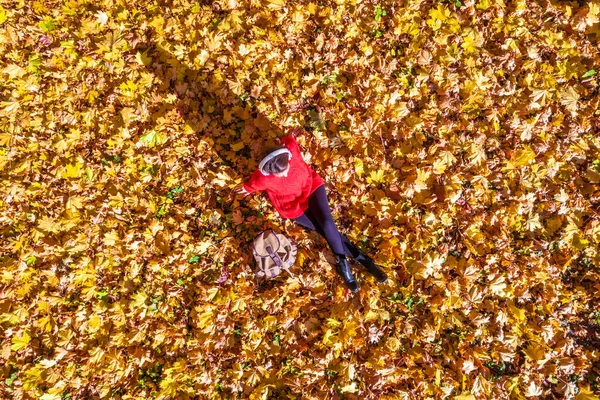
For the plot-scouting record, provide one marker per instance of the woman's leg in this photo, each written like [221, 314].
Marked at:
[310, 221]
[307, 220]
[351, 249]
[318, 217]
[319, 209]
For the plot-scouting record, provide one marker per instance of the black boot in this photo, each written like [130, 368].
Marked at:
[343, 268]
[369, 265]
[372, 267]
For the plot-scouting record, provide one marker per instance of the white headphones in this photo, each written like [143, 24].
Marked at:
[270, 156]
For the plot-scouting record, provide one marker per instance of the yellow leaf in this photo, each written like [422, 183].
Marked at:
[533, 223]
[497, 286]
[330, 338]
[153, 138]
[376, 176]
[586, 394]
[533, 390]
[270, 322]
[351, 388]
[535, 351]
[12, 319]
[48, 224]
[128, 114]
[205, 320]
[94, 323]
[253, 378]
[72, 171]
[276, 4]
[46, 323]
[143, 59]
[48, 363]
[443, 161]
[202, 247]
[14, 71]
[352, 31]
[570, 99]
[203, 57]
[464, 396]
[400, 110]
[212, 293]
[92, 96]
[483, 4]
[367, 49]
[524, 156]
[3, 16]
[371, 315]
[8, 108]
[392, 343]
[540, 96]
[32, 377]
[111, 238]
[169, 386]
[350, 328]
[97, 355]
[48, 396]
[101, 17]
[516, 312]
[237, 146]
[19, 343]
[469, 44]
[333, 323]
[213, 42]
[238, 305]
[358, 167]
[139, 300]
[421, 181]
[437, 17]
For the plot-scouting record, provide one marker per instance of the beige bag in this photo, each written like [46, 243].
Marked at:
[273, 253]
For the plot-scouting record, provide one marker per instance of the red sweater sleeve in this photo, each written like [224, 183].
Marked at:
[256, 182]
[292, 145]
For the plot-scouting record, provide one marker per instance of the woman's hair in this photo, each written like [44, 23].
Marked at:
[277, 164]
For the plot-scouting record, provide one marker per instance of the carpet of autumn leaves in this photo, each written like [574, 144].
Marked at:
[460, 145]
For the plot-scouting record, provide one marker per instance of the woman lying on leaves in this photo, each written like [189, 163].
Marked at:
[298, 192]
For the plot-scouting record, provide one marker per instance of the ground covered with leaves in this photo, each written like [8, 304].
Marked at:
[460, 145]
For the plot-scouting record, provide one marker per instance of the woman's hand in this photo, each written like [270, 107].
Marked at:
[239, 189]
[295, 132]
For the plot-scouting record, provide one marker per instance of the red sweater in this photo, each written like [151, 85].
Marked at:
[289, 195]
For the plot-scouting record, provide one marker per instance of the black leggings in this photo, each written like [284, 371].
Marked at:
[318, 218]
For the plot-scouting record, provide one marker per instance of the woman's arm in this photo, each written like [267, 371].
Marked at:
[239, 189]
[295, 132]
[255, 183]
[290, 142]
